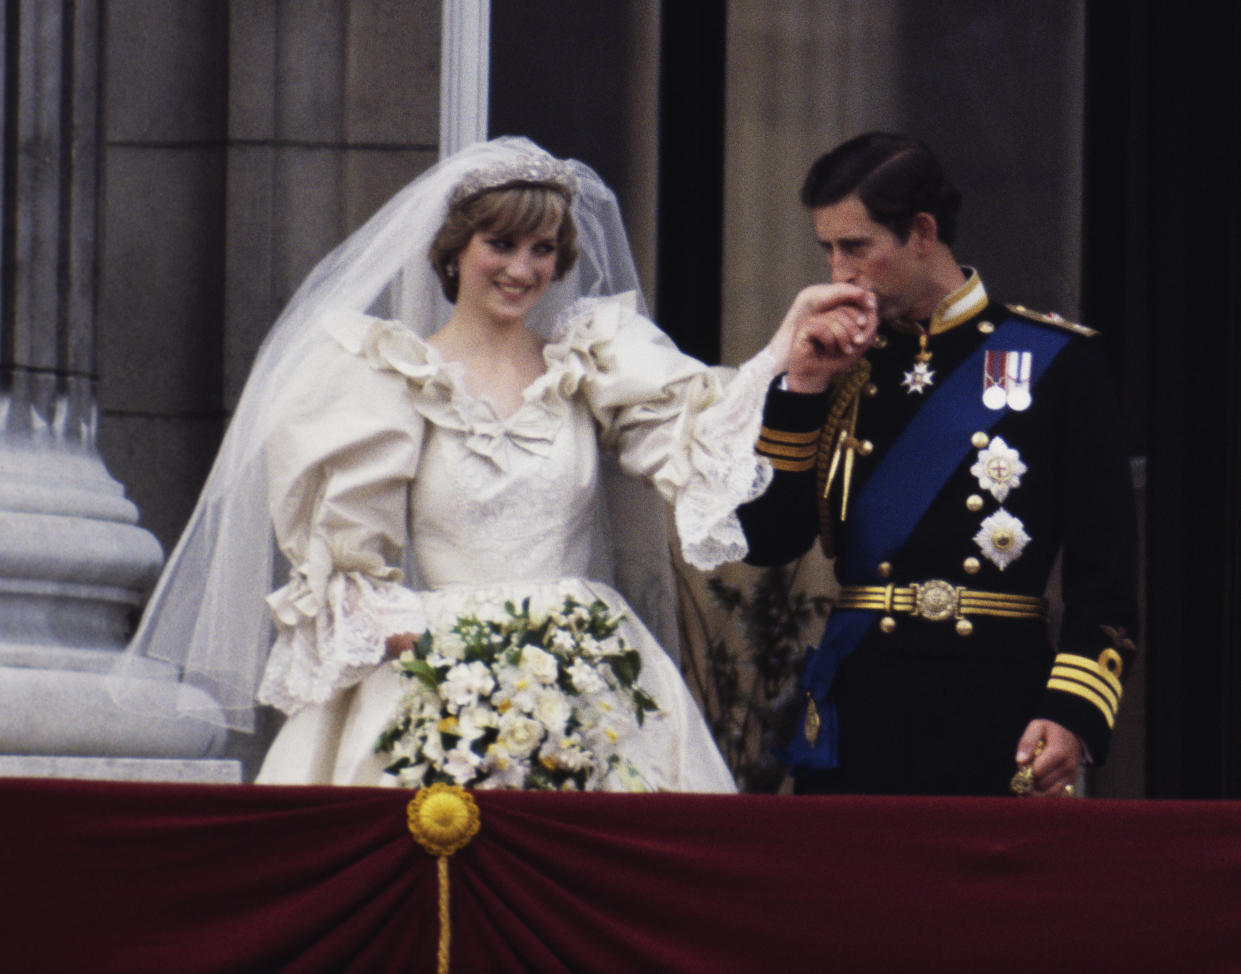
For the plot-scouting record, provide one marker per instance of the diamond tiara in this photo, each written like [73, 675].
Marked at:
[532, 170]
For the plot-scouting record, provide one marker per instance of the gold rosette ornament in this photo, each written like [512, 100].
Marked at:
[443, 819]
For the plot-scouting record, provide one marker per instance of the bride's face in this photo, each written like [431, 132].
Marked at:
[502, 276]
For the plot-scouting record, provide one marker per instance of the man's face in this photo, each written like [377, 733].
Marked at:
[862, 252]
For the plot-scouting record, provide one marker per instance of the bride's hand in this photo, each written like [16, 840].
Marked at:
[400, 642]
[827, 327]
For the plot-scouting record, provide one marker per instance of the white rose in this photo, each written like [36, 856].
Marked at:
[552, 711]
[540, 665]
[519, 735]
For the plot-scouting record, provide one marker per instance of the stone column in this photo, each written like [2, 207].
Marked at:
[465, 46]
[74, 566]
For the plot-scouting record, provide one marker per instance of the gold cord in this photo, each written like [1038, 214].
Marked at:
[443, 953]
[443, 819]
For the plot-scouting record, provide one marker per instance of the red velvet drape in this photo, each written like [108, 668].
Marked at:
[132, 878]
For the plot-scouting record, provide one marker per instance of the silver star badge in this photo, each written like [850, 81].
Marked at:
[1002, 538]
[919, 378]
[999, 468]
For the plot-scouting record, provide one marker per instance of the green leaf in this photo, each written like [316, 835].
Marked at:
[626, 666]
[420, 669]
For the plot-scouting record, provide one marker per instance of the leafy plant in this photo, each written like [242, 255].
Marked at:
[749, 654]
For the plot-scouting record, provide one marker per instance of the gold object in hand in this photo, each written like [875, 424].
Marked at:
[1022, 782]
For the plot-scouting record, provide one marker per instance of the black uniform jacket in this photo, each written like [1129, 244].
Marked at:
[938, 706]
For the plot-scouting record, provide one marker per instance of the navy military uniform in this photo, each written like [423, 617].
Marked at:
[945, 472]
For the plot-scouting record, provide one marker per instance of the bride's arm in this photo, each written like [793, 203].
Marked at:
[339, 467]
[687, 428]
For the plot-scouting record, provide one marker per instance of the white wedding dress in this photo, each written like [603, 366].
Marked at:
[383, 454]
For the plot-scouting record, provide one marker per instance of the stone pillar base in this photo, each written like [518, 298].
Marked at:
[62, 713]
[217, 772]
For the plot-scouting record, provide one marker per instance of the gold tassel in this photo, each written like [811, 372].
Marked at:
[1023, 781]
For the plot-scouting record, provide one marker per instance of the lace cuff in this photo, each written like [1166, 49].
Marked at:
[324, 645]
[727, 470]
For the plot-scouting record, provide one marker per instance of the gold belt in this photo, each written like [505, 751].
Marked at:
[939, 601]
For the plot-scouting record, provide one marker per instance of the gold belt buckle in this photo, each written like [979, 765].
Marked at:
[936, 600]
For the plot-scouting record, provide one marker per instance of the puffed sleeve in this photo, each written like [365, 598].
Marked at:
[687, 428]
[339, 465]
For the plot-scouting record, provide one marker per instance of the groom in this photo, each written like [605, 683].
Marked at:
[944, 461]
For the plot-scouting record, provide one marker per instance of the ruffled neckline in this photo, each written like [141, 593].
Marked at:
[576, 350]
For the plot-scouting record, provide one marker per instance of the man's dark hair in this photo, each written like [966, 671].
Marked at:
[895, 176]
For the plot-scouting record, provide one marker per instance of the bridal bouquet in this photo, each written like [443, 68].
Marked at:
[538, 699]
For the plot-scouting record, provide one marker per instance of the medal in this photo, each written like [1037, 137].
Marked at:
[998, 468]
[1002, 538]
[920, 377]
[1019, 364]
[993, 395]
[1006, 380]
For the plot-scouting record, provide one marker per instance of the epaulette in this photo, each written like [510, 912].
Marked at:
[1052, 319]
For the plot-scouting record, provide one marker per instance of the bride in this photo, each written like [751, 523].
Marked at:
[423, 437]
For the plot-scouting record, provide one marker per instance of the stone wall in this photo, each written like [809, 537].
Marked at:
[996, 89]
[241, 142]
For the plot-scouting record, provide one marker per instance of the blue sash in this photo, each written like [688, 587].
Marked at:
[893, 500]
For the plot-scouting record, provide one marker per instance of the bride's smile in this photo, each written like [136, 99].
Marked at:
[503, 276]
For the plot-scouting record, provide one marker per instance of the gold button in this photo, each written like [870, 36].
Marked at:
[972, 566]
[870, 390]
[885, 569]
[887, 624]
[986, 327]
[865, 448]
[881, 341]
[979, 440]
[973, 503]
[964, 627]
